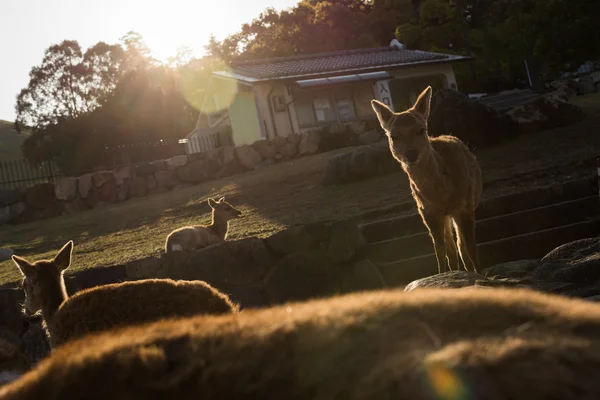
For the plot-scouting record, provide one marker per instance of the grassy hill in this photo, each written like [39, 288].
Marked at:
[10, 142]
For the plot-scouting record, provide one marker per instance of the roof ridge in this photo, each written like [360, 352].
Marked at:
[315, 55]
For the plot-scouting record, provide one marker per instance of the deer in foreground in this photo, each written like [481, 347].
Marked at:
[445, 180]
[109, 306]
[199, 236]
[427, 344]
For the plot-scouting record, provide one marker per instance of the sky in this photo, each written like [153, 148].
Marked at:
[29, 27]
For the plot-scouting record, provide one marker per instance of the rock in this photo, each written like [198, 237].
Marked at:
[93, 198]
[247, 296]
[40, 196]
[231, 168]
[336, 137]
[177, 161]
[5, 254]
[124, 191]
[513, 269]
[146, 268]
[10, 313]
[166, 179]
[233, 262]
[298, 238]
[294, 139]
[248, 157]
[574, 262]
[265, 149]
[471, 121]
[159, 165]
[362, 275]
[279, 141]
[361, 163]
[93, 277]
[84, 184]
[73, 206]
[151, 182]
[447, 280]
[346, 242]
[302, 276]
[277, 157]
[228, 154]
[309, 144]
[357, 127]
[8, 197]
[123, 175]
[100, 178]
[198, 171]
[545, 113]
[288, 150]
[144, 170]
[138, 187]
[65, 189]
[586, 85]
[370, 137]
[109, 191]
[12, 212]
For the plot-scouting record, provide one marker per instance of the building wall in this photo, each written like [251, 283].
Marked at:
[276, 123]
[243, 115]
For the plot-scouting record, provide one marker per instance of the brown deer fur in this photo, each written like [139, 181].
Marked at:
[426, 344]
[198, 236]
[445, 179]
[109, 306]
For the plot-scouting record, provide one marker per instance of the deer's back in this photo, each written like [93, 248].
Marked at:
[493, 343]
[128, 303]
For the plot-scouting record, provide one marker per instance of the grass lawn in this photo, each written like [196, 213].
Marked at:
[289, 194]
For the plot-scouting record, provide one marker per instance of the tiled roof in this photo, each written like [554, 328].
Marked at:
[333, 62]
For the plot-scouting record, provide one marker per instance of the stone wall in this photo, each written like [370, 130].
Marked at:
[74, 194]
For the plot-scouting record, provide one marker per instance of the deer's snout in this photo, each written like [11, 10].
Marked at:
[411, 155]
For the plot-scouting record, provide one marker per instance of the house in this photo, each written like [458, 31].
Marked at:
[263, 99]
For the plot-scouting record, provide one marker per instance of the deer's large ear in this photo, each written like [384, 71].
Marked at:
[384, 114]
[212, 203]
[25, 266]
[423, 103]
[63, 258]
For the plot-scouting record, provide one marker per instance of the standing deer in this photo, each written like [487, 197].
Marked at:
[445, 180]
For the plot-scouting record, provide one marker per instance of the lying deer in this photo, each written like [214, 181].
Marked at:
[198, 236]
[109, 306]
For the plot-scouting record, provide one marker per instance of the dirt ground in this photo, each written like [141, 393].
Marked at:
[289, 194]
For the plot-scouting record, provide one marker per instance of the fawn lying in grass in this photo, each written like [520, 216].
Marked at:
[426, 344]
[198, 236]
[109, 306]
[445, 179]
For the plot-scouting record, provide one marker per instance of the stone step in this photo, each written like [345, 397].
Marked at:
[493, 228]
[381, 230]
[531, 245]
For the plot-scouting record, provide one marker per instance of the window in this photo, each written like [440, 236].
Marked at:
[345, 106]
[323, 110]
[326, 107]
[304, 112]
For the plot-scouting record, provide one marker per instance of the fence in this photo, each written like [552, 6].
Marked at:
[21, 173]
[202, 142]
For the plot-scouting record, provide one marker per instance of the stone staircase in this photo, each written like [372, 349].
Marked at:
[519, 226]
[507, 100]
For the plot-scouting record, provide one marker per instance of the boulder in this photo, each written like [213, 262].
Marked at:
[575, 262]
[476, 124]
[8, 197]
[151, 182]
[302, 276]
[66, 189]
[370, 137]
[247, 296]
[199, 170]
[109, 191]
[346, 242]
[84, 184]
[74, 206]
[101, 177]
[362, 275]
[309, 143]
[299, 238]
[144, 170]
[40, 196]
[336, 137]
[288, 150]
[586, 85]
[512, 269]
[12, 212]
[124, 174]
[266, 149]
[233, 262]
[357, 127]
[124, 191]
[228, 154]
[159, 165]
[361, 163]
[279, 141]
[447, 280]
[545, 113]
[146, 268]
[5, 254]
[294, 139]
[230, 168]
[177, 161]
[248, 157]
[138, 187]
[166, 179]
